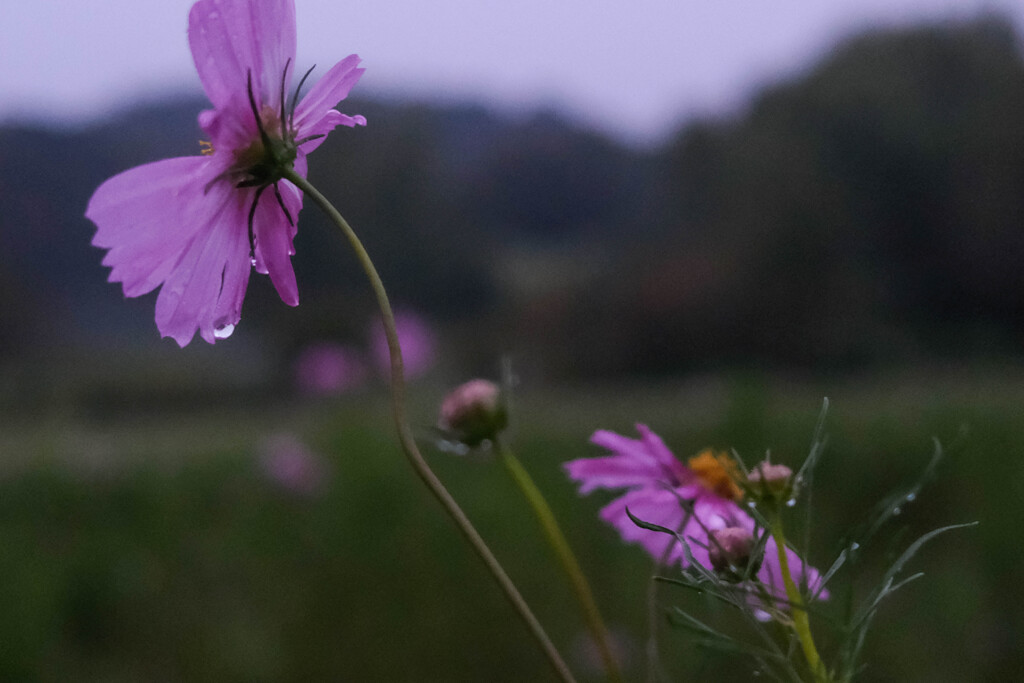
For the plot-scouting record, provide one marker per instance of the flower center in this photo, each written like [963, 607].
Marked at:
[716, 472]
[269, 157]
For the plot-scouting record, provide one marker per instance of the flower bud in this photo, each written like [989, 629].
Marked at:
[768, 482]
[729, 550]
[474, 412]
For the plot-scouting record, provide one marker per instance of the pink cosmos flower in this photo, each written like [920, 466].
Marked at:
[287, 463]
[418, 342]
[692, 499]
[328, 368]
[195, 226]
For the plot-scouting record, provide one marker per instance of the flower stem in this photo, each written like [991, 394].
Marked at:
[801, 622]
[408, 443]
[556, 539]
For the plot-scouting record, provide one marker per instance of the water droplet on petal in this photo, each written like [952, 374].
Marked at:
[223, 331]
[855, 546]
[911, 497]
[896, 511]
[791, 502]
[252, 261]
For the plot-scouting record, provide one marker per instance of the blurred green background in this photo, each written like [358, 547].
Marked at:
[157, 548]
[207, 514]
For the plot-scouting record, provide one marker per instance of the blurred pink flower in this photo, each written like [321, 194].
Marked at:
[691, 499]
[286, 462]
[328, 368]
[418, 341]
[197, 225]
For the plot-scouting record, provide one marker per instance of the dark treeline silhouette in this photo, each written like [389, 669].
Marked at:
[869, 211]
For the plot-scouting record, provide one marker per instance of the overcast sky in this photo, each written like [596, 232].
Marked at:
[632, 68]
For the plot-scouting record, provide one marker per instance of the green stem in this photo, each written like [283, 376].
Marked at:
[801, 622]
[408, 443]
[556, 539]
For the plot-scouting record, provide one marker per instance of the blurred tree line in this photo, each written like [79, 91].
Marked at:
[869, 211]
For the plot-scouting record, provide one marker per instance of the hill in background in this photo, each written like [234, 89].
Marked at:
[869, 212]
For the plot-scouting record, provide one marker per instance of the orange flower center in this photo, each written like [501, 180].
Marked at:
[716, 472]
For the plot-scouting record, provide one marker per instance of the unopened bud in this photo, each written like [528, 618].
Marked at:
[474, 412]
[729, 550]
[770, 482]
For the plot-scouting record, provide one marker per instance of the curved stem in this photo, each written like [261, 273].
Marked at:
[408, 443]
[801, 622]
[562, 550]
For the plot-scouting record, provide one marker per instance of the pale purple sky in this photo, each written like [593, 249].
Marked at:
[635, 69]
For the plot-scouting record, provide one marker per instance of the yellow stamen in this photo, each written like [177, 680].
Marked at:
[717, 473]
[206, 148]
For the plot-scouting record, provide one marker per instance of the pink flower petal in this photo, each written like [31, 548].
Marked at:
[229, 129]
[147, 216]
[237, 267]
[325, 125]
[231, 38]
[660, 452]
[656, 506]
[206, 287]
[636, 462]
[274, 235]
[328, 91]
[771, 573]
[624, 446]
[611, 472]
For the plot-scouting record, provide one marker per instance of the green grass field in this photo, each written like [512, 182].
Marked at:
[150, 547]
